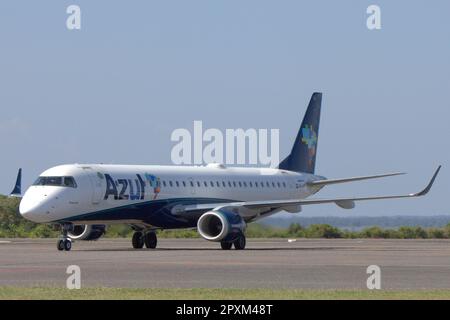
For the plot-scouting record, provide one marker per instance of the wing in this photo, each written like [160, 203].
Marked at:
[252, 210]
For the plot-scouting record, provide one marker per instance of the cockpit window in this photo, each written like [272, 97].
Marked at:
[48, 181]
[56, 181]
[70, 182]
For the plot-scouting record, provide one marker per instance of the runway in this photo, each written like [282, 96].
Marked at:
[195, 263]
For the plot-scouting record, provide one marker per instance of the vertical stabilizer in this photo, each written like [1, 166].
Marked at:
[303, 154]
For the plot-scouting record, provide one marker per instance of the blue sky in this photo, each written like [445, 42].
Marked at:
[114, 91]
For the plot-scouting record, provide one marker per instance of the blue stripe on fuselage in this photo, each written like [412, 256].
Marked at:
[155, 212]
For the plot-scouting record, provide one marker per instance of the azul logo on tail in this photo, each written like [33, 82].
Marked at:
[309, 137]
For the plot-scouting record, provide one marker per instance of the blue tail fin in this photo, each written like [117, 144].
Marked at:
[17, 191]
[303, 154]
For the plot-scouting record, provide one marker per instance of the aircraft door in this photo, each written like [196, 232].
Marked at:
[97, 181]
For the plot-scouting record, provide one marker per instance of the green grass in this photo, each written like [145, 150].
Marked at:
[51, 293]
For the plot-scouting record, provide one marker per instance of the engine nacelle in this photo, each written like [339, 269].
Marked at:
[220, 225]
[87, 232]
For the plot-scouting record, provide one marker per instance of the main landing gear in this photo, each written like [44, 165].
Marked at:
[141, 238]
[239, 243]
[65, 243]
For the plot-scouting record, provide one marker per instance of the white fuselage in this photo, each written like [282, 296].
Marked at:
[71, 192]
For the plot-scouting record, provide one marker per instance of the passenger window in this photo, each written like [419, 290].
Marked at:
[251, 185]
[198, 183]
[184, 184]
[217, 183]
[164, 183]
[284, 184]
[245, 184]
[170, 183]
[211, 183]
[223, 184]
[279, 185]
[192, 183]
[229, 184]
[267, 184]
[204, 182]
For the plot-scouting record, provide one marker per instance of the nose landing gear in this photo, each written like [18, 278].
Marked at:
[65, 243]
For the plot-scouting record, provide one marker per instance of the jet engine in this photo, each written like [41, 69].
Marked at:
[220, 225]
[87, 232]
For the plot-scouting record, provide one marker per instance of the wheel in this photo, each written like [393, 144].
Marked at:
[137, 241]
[67, 245]
[226, 245]
[60, 245]
[239, 244]
[150, 240]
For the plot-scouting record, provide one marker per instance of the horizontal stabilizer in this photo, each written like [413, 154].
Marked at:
[334, 181]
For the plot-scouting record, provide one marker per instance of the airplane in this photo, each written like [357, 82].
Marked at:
[217, 200]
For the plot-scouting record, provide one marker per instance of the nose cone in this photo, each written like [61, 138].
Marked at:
[33, 209]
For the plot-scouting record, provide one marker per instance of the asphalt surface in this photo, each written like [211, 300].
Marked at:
[195, 263]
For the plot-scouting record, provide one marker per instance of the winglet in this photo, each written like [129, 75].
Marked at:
[17, 191]
[428, 187]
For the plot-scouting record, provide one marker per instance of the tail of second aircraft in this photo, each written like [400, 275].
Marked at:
[303, 154]
[17, 191]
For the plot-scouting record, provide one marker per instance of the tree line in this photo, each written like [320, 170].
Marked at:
[12, 225]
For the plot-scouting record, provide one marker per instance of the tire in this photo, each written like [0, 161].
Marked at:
[137, 241]
[60, 245]
[239, 244]
[226, 245]
[67, 245]
[150, 240]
